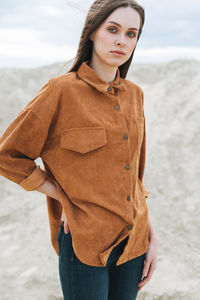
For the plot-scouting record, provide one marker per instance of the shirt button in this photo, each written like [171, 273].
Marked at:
[130, 227]
[128, 198]
[109, 89]
[117, 107]
[125, 137]
[127, 167]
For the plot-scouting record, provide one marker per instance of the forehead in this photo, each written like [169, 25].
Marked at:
[127, 17]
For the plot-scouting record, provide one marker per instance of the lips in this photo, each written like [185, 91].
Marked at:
[119, 52]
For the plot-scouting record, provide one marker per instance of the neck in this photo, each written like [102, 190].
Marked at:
[106, 72]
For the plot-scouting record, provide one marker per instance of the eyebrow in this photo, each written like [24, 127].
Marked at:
[121, 26]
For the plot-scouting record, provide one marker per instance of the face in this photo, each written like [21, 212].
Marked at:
[119, 32]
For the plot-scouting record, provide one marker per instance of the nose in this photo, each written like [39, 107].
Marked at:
[121, 40]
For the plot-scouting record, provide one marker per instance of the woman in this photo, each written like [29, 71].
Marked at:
[88, 126]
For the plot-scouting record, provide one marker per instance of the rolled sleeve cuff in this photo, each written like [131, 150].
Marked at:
[34, 180]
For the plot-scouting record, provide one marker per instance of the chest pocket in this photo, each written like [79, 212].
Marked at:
[83, 139]
[140, 130]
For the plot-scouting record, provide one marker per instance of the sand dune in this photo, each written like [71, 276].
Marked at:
[29, 267]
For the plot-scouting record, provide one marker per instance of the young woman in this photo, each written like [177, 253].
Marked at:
[88, 126]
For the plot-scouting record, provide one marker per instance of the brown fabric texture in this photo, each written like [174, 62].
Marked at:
[91, 137]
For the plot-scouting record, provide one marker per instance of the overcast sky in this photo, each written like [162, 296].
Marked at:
[35, 33]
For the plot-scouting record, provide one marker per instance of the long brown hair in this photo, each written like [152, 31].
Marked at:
[98, 12]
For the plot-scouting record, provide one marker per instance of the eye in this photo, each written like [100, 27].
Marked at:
[110, 28]
[131, 32]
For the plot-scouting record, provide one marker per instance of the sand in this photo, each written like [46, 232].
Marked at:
[29, 265]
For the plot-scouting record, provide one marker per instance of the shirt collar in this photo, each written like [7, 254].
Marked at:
[86, 73]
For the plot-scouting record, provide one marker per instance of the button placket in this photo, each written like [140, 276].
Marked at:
[117, 107]
[112, 91]
[125, 136]
[128, 198]
[127, 167]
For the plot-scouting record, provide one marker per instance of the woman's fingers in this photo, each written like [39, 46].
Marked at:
[66, 227]
[149, 274]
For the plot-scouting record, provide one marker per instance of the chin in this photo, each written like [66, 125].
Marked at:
[114, 63]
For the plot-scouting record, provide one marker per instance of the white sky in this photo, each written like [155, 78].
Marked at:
[34, 33]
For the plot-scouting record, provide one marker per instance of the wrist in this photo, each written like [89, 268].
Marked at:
[152, 234]
[49, 188]
[152, 237]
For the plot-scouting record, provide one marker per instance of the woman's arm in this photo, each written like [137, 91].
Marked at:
[151, 258]
[152, 233]
[23, 140]
[49, 189]
[142, 158]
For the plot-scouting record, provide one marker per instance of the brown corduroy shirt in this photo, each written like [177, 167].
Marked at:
[90, 135]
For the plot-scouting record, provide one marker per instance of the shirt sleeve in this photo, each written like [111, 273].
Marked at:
[143, 155]
[23, 140]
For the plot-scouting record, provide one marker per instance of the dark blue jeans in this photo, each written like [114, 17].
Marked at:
[80, 281]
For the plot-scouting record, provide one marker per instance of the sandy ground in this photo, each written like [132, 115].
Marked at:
[29, 265]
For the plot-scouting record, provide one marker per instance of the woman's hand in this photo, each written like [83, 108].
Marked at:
[52, 189]
[66, 226]
[151, 258]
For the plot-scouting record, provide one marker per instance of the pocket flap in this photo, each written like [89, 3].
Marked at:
[83, 139]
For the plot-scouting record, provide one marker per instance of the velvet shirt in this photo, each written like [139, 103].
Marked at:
[90, 135]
